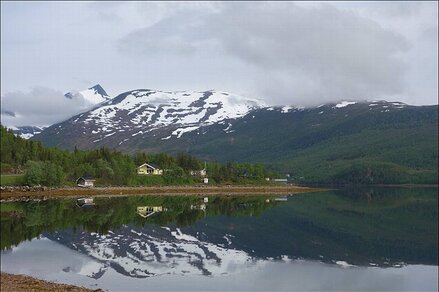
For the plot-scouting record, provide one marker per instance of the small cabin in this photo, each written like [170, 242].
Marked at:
[85, 182]
[149, 169]
[85, 202]
[201, 207]
[147, 211]
[201, 173]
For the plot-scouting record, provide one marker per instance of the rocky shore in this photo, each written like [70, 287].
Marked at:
[26, 188]
[21, 283]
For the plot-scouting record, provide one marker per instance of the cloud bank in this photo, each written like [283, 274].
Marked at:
[40, 107]
[292, 53]
[296, 54]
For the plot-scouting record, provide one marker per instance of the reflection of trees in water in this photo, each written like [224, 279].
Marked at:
[26, 220]
[379, 193]
[356, 225]
[340, 226]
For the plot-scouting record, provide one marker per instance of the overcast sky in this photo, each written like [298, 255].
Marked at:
[283, 52]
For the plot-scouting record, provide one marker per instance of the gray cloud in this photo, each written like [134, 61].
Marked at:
[295, 54]
[41, 106]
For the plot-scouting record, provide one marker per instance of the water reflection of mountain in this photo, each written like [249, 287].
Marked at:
[152, 250]
[375, 227]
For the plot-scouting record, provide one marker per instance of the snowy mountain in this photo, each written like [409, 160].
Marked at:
[149, 119]
[143, 113]
[91, 96]
[26, 132]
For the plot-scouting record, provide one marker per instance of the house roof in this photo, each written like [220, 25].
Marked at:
[89, 178]
[153, 166]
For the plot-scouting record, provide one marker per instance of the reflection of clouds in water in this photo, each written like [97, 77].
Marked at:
[46, 259]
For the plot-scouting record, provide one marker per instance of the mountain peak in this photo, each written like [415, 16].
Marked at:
[99, 90]
[91, 96]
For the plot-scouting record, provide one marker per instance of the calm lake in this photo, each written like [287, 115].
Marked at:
[357, 239]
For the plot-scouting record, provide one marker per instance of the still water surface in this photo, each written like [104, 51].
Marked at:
[361, 239]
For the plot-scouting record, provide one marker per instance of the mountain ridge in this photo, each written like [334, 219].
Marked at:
[142, 111]
[342, 142]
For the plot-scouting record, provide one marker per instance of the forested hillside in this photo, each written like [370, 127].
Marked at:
[52, 166]
[359, 143]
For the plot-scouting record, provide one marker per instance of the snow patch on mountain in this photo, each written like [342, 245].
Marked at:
[181, 131]
[344, 104]
[92, 97]
[286, 109]
[386, 104]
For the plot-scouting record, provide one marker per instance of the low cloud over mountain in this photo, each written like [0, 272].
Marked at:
[43, 106]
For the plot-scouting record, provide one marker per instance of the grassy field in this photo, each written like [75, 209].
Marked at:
[11, 180]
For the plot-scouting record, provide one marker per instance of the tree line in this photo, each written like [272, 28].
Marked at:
[53, 167]
[25, 221]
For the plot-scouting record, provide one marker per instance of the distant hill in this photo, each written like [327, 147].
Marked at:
[367, 142]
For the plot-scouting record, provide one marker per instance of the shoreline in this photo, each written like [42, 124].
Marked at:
[23, 283]
[347, 186]
[43, 193]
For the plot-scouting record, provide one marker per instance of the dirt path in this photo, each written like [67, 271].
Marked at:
[21, 283]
